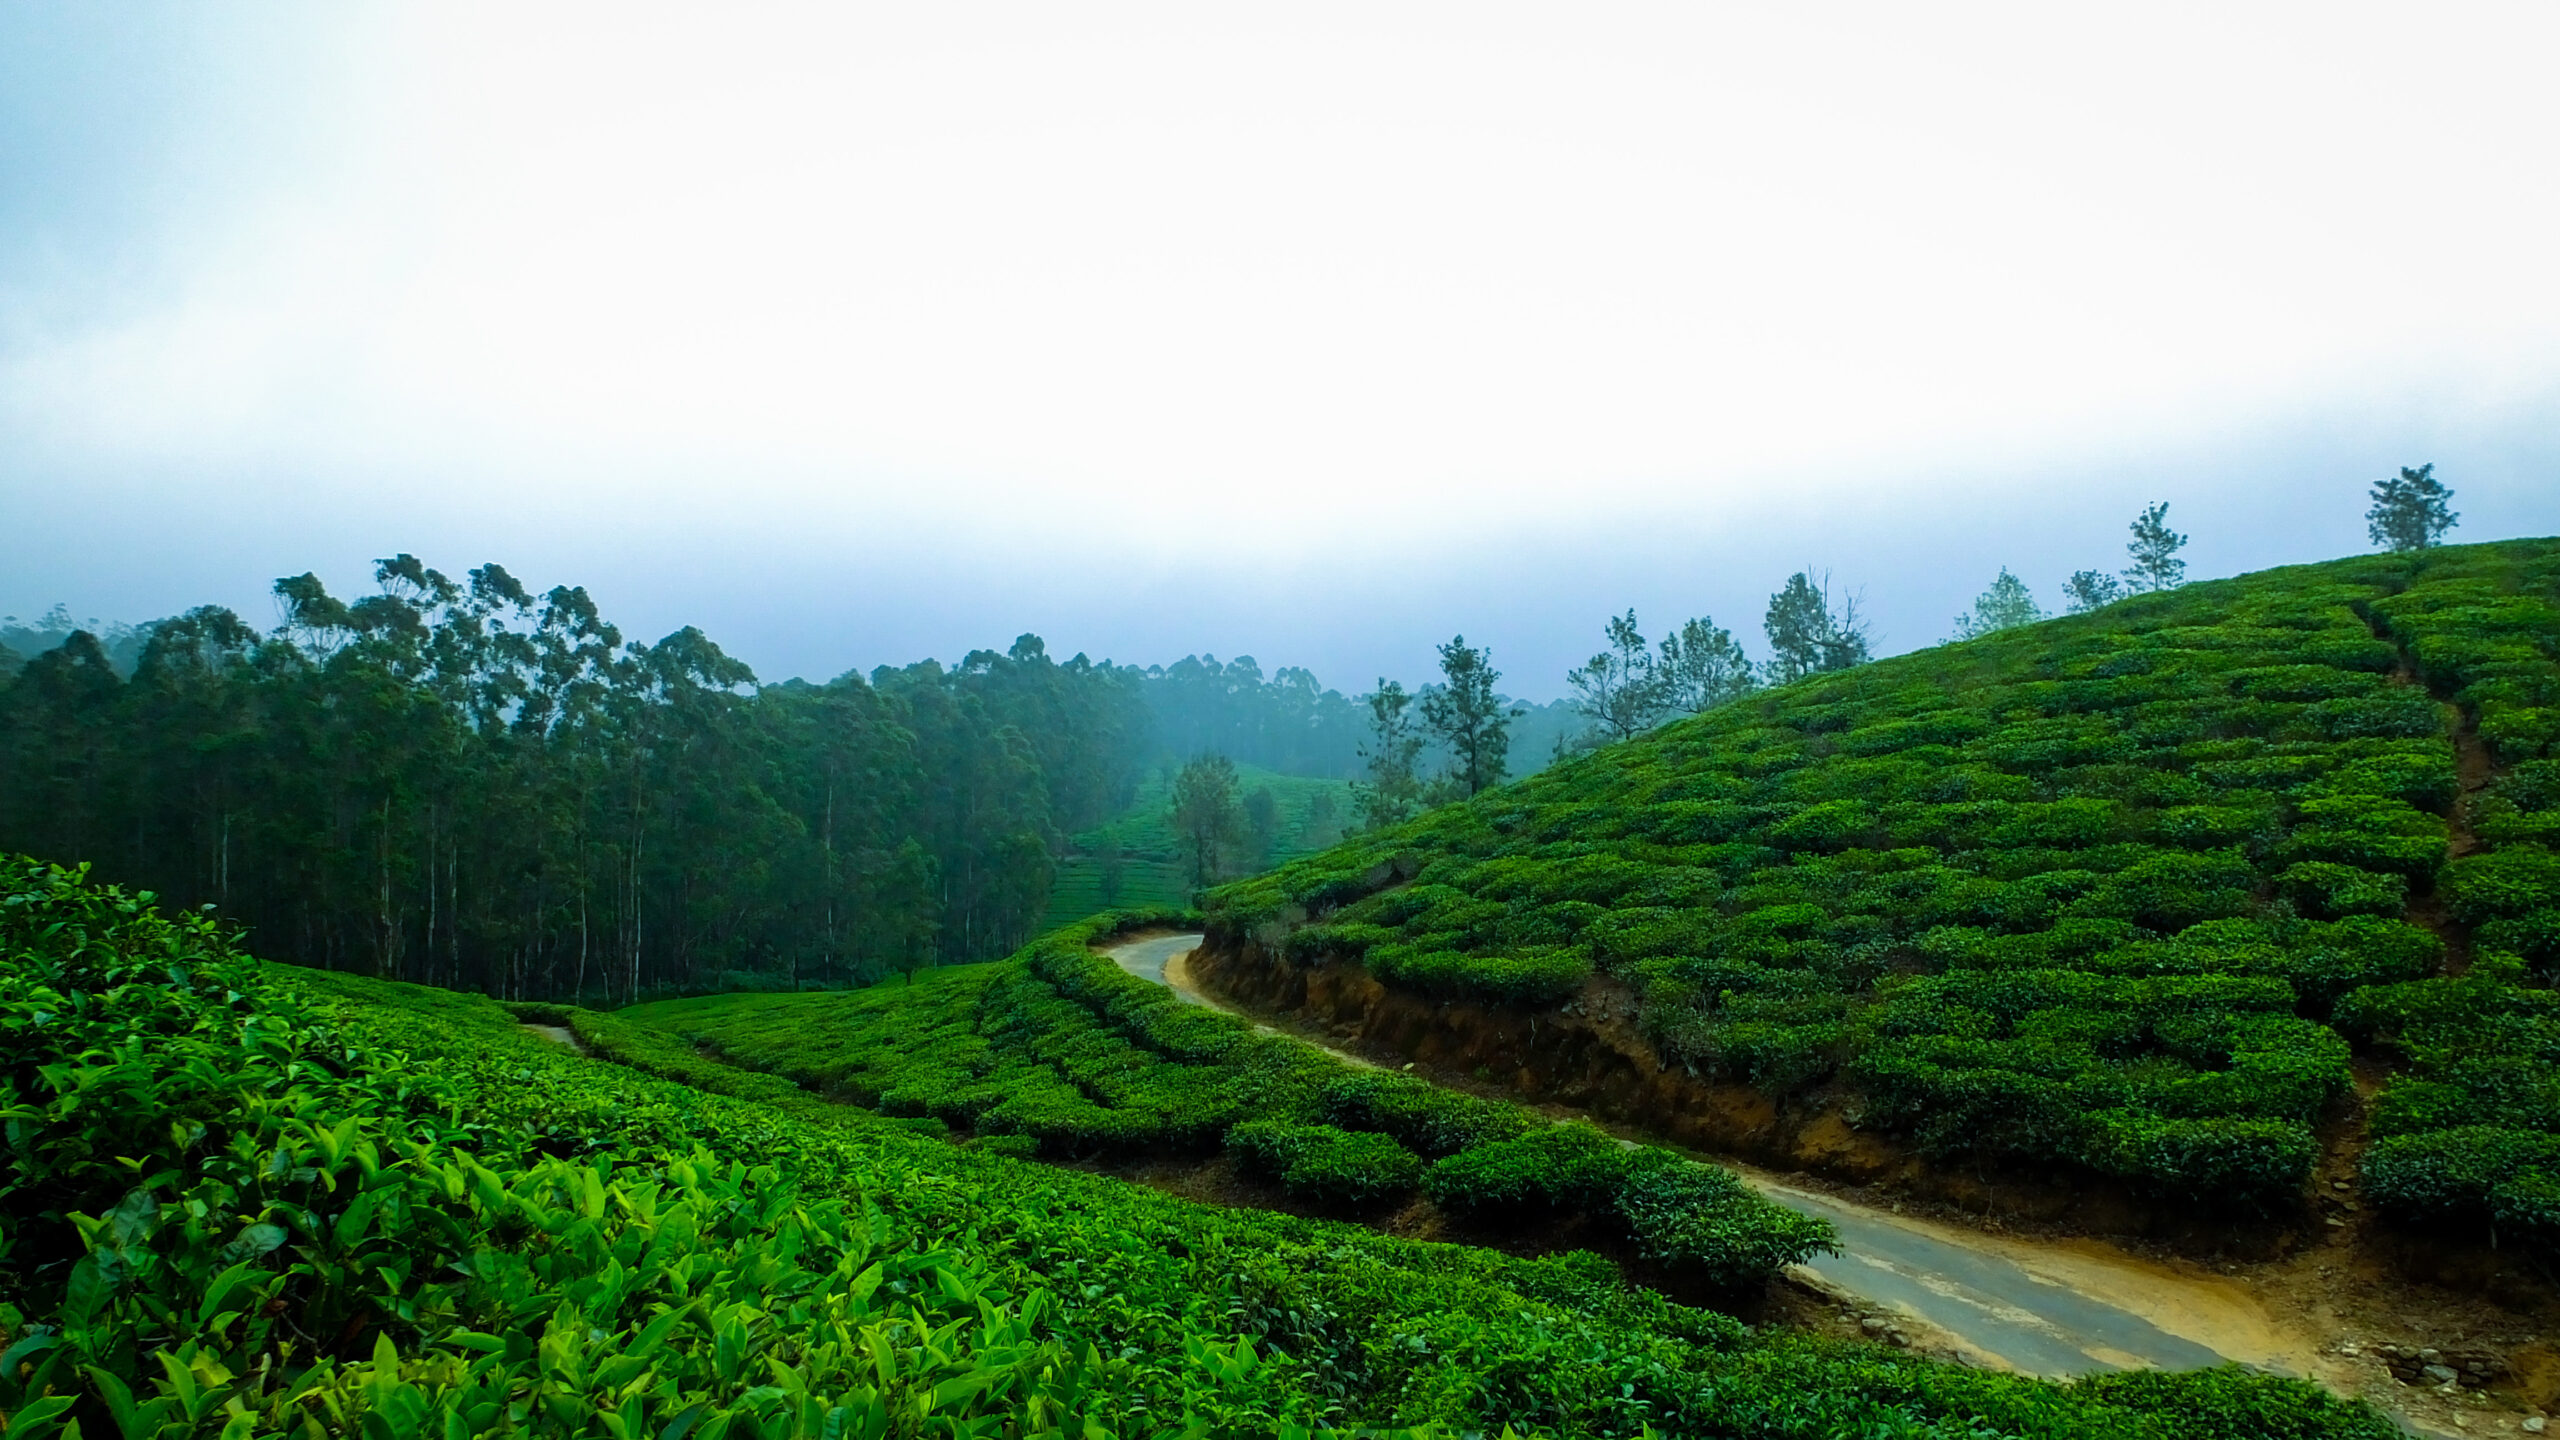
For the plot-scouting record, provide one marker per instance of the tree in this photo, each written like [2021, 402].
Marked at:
[1805, 637]
[1392, 792]
[1465, 715]
[2086, 590]
[2409, 511]
[1262, 822]
[2154, 549]
[1618, 688]
[1208, 821]
[1702, 667]
[2006, 605]
[1320, 813]
[465, 783]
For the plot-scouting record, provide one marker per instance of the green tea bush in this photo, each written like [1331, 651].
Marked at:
[248, 1201]
[2236, 778]
[1423, 1117]
[1697, 1220]
[1559, 1169]
[1318, 1163]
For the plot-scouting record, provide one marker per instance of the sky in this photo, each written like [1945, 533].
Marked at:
[857, 334]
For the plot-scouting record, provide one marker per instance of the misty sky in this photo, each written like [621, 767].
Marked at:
[858, 334]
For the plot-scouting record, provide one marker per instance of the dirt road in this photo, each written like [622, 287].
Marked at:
[2053, 1309]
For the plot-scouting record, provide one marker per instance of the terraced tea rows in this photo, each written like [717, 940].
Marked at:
[2099, 892]
[246, 1201]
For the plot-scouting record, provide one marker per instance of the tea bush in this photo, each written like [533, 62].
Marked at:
[2248, 778]
[250, 1202]
[1348, 1168]
[1062, 1048]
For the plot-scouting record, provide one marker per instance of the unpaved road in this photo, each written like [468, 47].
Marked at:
[2055, 1309]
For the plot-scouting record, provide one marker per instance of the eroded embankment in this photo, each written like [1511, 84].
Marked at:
[2050, 1303]
[2041, 1307]
[1591, 1055]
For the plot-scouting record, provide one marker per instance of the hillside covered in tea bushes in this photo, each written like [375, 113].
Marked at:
[2119, 893]
[242, 1200]
[1058, 1052]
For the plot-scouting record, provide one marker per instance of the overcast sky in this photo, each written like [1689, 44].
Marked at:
[856, 334]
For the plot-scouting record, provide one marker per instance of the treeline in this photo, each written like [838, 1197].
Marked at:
[1290, 722]
[475, 785]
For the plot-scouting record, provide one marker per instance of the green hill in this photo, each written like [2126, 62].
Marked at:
[1310, 813]
[2114, 894]
[247, 1201]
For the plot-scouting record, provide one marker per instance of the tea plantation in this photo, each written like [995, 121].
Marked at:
[247, 1201]
[2113, 893]
[1059, 1052]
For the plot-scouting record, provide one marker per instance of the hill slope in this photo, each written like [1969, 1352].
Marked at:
[2108, 894]
[247, 1201]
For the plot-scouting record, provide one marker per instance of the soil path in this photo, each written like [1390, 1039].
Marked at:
[2055, 1309]
[559, 1035]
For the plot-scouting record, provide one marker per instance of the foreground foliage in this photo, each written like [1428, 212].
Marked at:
[2086, 892]
[247, 1202]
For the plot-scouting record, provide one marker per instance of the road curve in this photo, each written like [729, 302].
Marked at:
[2042, 1309]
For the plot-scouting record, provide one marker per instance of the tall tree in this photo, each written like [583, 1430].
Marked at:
[1702, 667]
[1392, 791]
[1806, 637]
[2086, 590]
[1262, 823]
[2409, 511]
[1619, 689]
[1208, 820]
[1464, 714]
[2154, 548]
[2006, 605]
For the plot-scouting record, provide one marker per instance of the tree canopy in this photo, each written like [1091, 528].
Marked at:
[467, 782]
[2409, 510]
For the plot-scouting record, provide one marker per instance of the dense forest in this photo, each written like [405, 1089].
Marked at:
[471, 783]
[477, 784]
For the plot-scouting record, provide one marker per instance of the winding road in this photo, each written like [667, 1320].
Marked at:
[2039, 1308]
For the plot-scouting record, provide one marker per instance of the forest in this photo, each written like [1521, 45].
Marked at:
[481, 785]
[473, 784]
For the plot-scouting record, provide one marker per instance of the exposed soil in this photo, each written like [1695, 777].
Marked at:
[559, 1035]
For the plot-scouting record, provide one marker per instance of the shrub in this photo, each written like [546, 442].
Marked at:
[2251, 1162]
[1541, 976]
[1324, 1165]
[1423, 1117]
[2519, 881]
[1558, 1169]
[1706, 1222]
[2330, 890]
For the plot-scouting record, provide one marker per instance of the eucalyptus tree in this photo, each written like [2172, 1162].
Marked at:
[2409, 510]
[1701, 667]
[2154, 548]
[1807, 636]
[1618, 690]
[2005, 605]
[1389, 790]
[1464, 715]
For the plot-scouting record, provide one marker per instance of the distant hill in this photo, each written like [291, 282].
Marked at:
[1131, 860]
[2114, 896]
